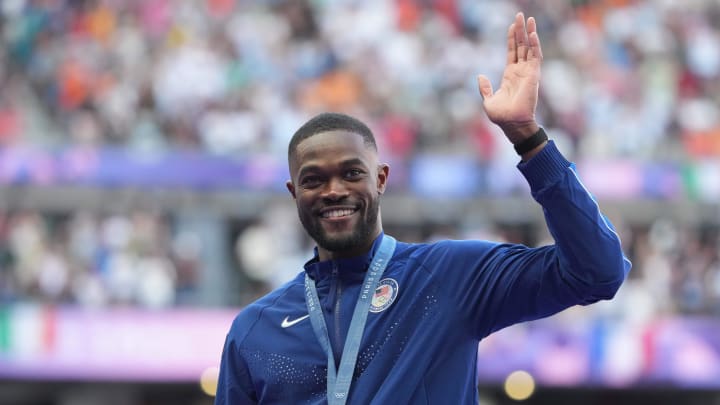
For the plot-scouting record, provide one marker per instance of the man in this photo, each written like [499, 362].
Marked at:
[375, 321]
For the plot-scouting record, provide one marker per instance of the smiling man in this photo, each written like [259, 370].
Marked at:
[372, 320]
[337, 182]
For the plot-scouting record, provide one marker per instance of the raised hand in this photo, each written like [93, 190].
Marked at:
[512, 106]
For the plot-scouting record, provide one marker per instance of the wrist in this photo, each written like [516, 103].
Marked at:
[518, 132]
[531, 142]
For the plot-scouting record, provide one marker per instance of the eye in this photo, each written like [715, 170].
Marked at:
[310, 181]
[353, 173]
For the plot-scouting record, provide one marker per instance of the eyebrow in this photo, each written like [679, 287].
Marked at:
[345, 163]
[353, 162]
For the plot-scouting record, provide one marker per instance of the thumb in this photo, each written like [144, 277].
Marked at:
[485, 87]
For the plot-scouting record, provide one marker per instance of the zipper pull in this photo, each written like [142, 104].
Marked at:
[332, 295]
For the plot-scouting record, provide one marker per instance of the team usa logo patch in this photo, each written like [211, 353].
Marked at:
[385, 294]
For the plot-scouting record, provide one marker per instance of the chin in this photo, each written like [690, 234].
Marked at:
[339, 242]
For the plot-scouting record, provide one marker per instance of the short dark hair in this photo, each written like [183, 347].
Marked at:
[331, 122]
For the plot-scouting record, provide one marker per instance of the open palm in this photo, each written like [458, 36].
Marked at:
[512, 106]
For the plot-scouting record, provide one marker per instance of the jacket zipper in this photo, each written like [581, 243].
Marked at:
[338, 297]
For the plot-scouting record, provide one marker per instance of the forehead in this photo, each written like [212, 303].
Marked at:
[331, 147]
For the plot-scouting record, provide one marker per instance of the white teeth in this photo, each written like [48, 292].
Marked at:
[337, 213]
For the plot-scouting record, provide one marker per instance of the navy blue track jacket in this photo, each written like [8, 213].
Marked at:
[434, 304]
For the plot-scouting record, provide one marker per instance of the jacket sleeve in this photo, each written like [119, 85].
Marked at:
[587, 247]
[503, 284]
[235, 386]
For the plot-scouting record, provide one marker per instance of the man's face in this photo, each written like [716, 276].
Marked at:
[336, 183]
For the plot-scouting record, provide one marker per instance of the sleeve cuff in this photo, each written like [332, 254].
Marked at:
[545, 168]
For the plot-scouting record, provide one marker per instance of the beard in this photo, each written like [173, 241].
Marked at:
[344, 241]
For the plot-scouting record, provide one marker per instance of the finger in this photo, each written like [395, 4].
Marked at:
[535, 50]
[485, 87]
[521, 37]
[512, 48]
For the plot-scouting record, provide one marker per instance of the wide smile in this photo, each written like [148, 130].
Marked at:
[337, 213]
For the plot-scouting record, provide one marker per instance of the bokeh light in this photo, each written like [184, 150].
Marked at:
[209, 380]
[519, 385]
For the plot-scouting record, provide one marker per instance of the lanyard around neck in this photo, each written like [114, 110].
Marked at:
[338, 384]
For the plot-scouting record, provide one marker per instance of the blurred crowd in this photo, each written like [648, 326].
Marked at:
[143, 260]
[676, 269]
[95, 261]
[636, 79]
[622, 78]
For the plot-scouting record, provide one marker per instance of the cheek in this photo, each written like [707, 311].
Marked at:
[372, 196]
[304, 202]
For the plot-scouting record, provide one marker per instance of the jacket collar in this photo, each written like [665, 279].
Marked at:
[350, 269]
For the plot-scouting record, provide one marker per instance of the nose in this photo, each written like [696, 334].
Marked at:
[335, 190]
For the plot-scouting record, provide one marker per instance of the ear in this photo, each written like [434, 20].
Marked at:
[291, 188]
[382, 176]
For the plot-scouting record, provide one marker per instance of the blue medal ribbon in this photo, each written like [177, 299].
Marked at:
[338, 383]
